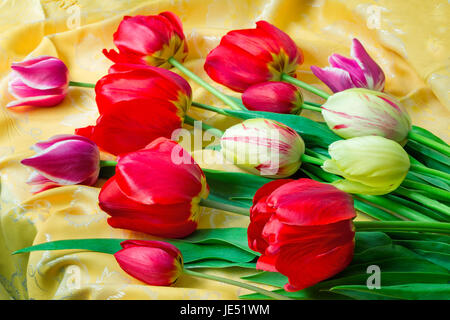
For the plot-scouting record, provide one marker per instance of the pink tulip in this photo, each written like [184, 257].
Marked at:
[272, 96]
[156, 263]
[360, 72]
[39, 82]
[63, 160]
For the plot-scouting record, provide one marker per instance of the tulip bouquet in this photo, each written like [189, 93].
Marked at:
[305, 180]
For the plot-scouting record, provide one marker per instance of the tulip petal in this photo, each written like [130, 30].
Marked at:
[45, 74]
[352, 67]
[305, 271]
[39, 101]
[153, 266]
[41, 145]
[373, 73]
[130, 125]
[141, 175]
[166, 246]
[53, 162]
[335, 79]
[307, 202]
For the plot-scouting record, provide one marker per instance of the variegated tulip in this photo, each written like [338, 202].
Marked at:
[264, 147]
[362, 112]
[370, 165]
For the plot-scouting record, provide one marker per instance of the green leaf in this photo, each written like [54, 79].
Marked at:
[427, 134]
[191, 252]
[439, 258]
[365, 240]
[314, 134]
[270, 278]
[403, 235]
[110, 246]
[413, 291]
[217, 264]
[428, 156]
[232, 236]
[430, 180]
[226, 186]
[428, 245]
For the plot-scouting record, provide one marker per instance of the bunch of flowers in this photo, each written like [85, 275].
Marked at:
[306, 180]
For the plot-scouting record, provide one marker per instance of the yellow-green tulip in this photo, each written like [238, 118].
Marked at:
[370, 165]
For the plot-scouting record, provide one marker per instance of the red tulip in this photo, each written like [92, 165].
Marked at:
[153, 192]
[279, 97]
[149, 40]
[303, 229]
[249, 56]
[156, 263]
[137, 104]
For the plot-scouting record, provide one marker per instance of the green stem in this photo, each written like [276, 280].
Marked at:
[309, 103]
[204, 84]
[440, 193]
[209, 108]
[439, 227]
[424, 200]
[81, 84]
[287, 78]
[250, 287]
[309, 159]
[206, 127]
[429, 143]
[309, 107]
[429, 171]
[225, 207]
[107, 163]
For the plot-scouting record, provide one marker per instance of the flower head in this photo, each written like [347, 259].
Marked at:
[264, 147]
[149, 40]
[249, 56]
[137, 104]
[39, 82]
[361, 112]
[273, 96]
[156, 263]
[370, 165]
[155, 190]
[63, 160]
[344, 73]
[303, 229]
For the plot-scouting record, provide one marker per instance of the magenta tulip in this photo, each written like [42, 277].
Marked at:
[39, 82]
[272, 96]
[63, 160]
[360, 72]
[156, 263]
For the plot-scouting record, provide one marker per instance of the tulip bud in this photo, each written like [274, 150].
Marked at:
[149, 40]
[361, 112]
[279, 97]
[345, 73]
[39, 82]
[303, 229]
[264, 147]
[250, 56]
[63, 160]
[156, 263]
[370, 165]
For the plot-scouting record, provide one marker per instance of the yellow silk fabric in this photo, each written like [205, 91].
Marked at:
[409, 39]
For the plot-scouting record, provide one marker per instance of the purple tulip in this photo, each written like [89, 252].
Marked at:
[39, 82]
[344, 73]
[63, 160]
